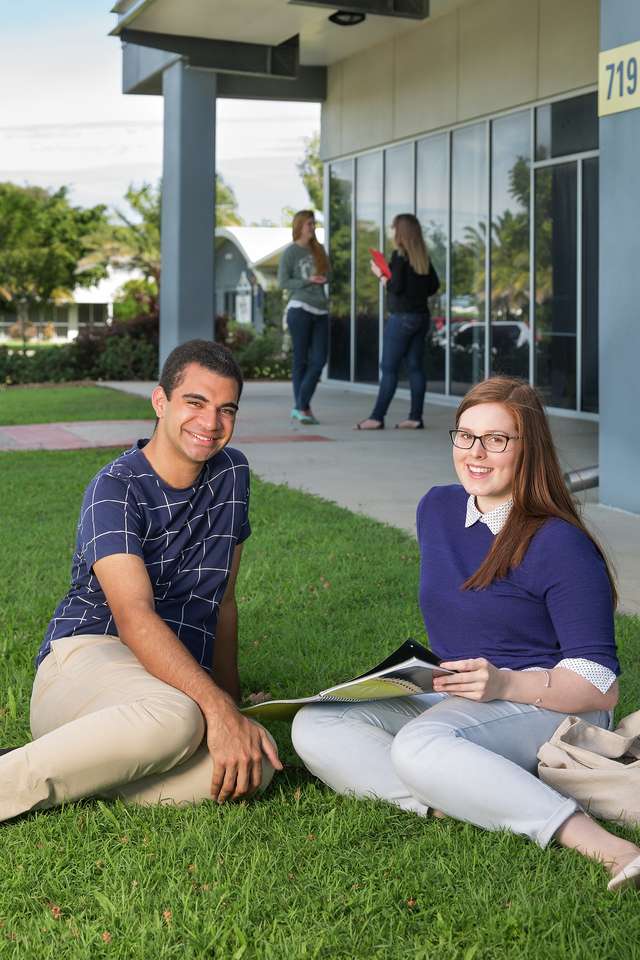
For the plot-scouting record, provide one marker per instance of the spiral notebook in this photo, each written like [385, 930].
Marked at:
[409, 670]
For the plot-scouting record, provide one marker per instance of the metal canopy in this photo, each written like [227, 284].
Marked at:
[224, 56]
[407, 9]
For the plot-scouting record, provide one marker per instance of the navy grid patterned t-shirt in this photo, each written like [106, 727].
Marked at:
[185, 537]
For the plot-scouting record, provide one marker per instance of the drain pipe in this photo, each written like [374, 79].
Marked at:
[583, 479]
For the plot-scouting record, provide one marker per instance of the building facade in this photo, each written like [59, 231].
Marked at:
[508, 206]
[510, 127]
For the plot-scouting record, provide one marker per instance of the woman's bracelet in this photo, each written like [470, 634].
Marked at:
[546, 686]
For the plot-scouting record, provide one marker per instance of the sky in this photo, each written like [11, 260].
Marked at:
[64, 120]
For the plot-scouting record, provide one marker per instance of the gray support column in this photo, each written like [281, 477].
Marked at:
[619, 309]
[187, 294]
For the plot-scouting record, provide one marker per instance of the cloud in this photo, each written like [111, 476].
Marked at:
[98, 160]
[65, 120]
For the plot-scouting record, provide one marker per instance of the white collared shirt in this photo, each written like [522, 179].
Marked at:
[600, 676]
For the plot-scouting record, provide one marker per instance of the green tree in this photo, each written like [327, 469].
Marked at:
[226, 205]
[311, 171]
[134, 240]
[43, 239]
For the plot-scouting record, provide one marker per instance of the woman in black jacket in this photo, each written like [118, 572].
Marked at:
[413, 280]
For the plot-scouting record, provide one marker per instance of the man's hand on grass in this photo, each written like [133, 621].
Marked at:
[237, 746]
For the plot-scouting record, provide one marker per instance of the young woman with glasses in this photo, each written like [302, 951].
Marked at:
[413, 280]
[518, 600]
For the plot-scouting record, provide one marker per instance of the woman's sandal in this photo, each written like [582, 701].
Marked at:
[410, 425]
[629, 876]
[359, 426]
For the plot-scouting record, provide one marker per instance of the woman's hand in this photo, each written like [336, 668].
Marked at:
[475, 679]
[375, 269]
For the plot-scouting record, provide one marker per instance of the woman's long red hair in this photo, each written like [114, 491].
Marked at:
[319, 254]
[539, 490]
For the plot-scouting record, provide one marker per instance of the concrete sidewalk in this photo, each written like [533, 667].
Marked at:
[382, 474]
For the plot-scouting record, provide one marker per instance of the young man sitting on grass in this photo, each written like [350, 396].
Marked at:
[137, 683]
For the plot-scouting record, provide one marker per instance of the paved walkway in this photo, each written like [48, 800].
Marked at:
[382, 474]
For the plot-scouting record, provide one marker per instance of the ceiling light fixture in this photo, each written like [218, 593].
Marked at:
[343, 18]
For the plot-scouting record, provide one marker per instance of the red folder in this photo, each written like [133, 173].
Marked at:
[379, 260]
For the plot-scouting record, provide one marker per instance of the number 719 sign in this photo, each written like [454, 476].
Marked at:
[619, 79]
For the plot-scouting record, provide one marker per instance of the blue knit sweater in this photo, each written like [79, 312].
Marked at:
[555, 605]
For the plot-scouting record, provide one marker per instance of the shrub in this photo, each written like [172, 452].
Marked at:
[128, 350]
[138, 297]
[125, 358]
[23, 331]
[260, 356]
[55, 365]
[273, 308]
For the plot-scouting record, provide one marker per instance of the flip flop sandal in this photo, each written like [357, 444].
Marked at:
[359, 426]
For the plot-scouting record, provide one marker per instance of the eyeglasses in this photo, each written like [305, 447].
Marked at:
[492, 442]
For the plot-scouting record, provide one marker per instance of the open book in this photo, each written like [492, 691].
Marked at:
[408, 670]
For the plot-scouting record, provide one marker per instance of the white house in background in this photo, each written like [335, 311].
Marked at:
[90, 307]
[94, 305]
[246, 267]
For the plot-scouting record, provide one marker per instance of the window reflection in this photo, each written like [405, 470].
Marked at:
[398, 198]
[453, 206]
[510, 189]
[555, 361]
[468, 247]
[398, 188]
[368, 226]
[432, 210]
[340, 208]
[567, 126]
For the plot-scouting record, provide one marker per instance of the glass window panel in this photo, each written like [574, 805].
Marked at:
[567, 126]
[510, 189]
[398, 198]
[340, 212]
[555, 239]
[398, 188]
[368, 227]
[590, 285]
[432, 210]
[468, 247]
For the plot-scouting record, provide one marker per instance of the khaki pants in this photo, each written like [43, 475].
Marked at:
[104, 726]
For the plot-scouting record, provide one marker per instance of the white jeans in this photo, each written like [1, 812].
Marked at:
[474, 761]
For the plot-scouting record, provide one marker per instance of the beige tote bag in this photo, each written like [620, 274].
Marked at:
[599, 768]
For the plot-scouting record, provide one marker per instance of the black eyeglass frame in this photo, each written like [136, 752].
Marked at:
[505, 436]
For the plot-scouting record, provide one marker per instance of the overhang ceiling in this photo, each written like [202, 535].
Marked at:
[268, 22]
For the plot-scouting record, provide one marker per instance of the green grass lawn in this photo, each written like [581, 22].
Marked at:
[68, 403]
[299, 873]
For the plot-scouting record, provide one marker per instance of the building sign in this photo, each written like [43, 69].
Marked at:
[619, 79]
